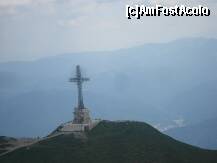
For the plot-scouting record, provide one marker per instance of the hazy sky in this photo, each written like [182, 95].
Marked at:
[31, 29]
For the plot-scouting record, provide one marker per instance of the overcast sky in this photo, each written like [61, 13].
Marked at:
[32, 29]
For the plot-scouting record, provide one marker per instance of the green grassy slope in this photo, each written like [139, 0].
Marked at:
[112, 142]
[4, 143]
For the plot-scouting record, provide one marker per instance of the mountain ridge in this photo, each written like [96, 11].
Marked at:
[201, 134]
[148, 79]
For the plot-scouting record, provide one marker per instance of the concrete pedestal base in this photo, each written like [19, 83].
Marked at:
[81, 116]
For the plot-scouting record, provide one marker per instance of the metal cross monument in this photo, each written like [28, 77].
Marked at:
[79, 79]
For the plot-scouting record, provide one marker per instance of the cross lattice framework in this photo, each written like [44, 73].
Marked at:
[79, 79]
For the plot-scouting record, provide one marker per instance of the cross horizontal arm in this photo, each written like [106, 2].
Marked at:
[85, 79]
[79, 79]
[74, 79]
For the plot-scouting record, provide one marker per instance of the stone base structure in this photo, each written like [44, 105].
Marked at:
[73, 127]
[81, 122]
[81, 116]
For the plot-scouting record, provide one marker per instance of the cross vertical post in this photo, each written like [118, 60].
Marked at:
[79, 79]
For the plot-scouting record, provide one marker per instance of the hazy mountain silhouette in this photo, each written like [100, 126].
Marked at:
[152, 83]
[203, 134]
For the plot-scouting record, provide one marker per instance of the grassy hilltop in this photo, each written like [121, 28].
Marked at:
[112, 142]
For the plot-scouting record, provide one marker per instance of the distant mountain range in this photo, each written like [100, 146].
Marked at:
[156, 83]
[203, 134]
[112, 142]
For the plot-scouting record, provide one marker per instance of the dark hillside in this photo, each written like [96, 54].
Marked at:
[112, 142]
[5, 143]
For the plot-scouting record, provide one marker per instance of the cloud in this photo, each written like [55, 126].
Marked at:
[11, 7]
[37, 28]
[8, 7]
[71, 23]
[75, 5]
[14, 3]
[180, 122]
[88, 13]
[174, 124]
[17, 3]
